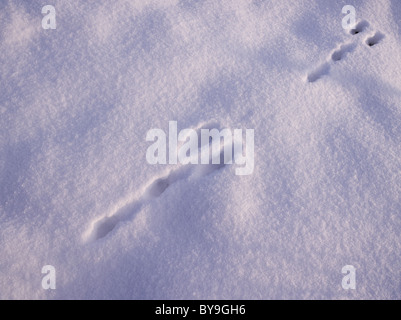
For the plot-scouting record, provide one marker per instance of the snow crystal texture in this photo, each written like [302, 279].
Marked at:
[77, 193]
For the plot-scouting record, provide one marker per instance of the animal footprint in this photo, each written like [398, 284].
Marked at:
[102, 227]
[360, 27]
[371, 41]
[315, 75]
[340, 53]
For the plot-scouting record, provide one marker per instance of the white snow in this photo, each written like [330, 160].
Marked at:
[77, 193]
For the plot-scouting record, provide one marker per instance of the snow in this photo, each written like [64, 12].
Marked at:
[77, 193]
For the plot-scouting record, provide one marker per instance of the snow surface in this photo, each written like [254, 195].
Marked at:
[77, 193]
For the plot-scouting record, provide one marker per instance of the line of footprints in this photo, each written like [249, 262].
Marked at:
[102, 227]
[345, 48]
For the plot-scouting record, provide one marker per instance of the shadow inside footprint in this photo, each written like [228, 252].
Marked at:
[375, 39]
[158, 187]
[318, 73]
[340, 53]
[360, 27]
[104, 227]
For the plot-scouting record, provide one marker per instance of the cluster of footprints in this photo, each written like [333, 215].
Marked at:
[345, 48]
[101, 227]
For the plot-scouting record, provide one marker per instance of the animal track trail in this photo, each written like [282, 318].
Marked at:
[336, 56]
[346, 48]
[102, 227]
[377, 38]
